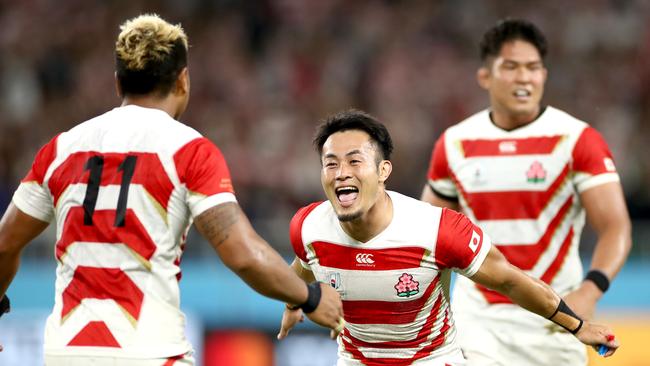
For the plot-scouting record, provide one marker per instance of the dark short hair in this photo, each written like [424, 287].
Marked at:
[353, 119]
[508, 30]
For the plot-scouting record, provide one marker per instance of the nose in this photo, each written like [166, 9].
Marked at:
[523, 75]
[343, 172]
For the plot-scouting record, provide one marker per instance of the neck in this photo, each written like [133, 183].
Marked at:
[372, 222]
[165, 104]
[510, 121]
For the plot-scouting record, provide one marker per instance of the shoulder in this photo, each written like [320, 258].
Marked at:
[475, 124]
[556, 120]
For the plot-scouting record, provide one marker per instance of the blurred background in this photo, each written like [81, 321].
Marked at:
[263, 74]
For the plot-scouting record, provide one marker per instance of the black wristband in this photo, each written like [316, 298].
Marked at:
[562, 307]
[313, 297]
[5, 305]
[599, 279]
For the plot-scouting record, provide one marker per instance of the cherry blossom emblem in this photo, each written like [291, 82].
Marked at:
[406, 287]
[536, 173]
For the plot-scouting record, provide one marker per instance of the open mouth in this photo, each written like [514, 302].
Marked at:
[347, 195]
[522, 94]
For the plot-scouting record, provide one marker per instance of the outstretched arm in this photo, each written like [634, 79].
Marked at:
[254, 261]
[536, 296]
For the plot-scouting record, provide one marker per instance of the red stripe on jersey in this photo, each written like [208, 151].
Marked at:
[525, 256]
[386, 312]
[202, 168]
[103, 231]
[95, 334]
[295, 230]
[343, 257]
[353, 345]
[591, 152]
[512, 204]
[172, 360]
[104, 284]
[494, 297]
[555, 266]
[42, 161]
[501, 147]
[439, 166]
[149, 172]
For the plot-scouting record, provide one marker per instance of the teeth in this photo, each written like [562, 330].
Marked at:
[346, 189]
[522, 93]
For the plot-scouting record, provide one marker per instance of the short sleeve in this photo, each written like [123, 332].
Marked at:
[295, 232]
[592, 163]
[438, 175]
[461, 245]
[32, 197]
[202, 168]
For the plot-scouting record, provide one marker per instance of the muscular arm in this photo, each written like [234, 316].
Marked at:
[530, 293]
[248, 255]
[428, 195]
[17, 229]
[536, 296]
[607, 214]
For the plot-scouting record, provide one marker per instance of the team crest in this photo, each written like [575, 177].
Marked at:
[406, 287]
[536, 173]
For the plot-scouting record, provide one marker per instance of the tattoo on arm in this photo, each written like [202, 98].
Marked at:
[215, 223]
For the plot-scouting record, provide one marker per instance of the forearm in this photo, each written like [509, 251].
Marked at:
[611, 250]
[267, 273]
[530, 293]
[9, 263]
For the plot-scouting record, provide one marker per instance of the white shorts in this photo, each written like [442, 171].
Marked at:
[181, 360]
[505, 334]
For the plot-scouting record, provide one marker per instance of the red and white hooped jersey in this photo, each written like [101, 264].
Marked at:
[522, 187]
[123, 189]
[395, 286]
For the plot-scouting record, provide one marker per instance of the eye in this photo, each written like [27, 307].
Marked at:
[330, 164]
[355, 161]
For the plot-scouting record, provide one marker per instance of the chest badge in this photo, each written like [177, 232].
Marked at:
[536, 173]
[335, 280]
[406, 287]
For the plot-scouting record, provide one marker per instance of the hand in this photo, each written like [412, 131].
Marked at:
[583, 300]
[329, 312]
[594, 335]
[289, 319]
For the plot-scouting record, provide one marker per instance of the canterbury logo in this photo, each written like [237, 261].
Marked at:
[364, 258]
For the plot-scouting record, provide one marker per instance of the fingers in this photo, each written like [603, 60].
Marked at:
[338, 329]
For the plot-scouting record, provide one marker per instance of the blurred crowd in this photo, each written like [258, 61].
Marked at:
[263, 73]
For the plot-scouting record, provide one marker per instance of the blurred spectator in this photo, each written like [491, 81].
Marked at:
[264, 72]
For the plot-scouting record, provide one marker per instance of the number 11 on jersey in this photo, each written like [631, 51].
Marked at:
[95, 165]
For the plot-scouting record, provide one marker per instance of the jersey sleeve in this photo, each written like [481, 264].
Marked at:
[32, 197]
[202, 168]
[461, 245]
[438, 176]
[592, 161]
[295, 232]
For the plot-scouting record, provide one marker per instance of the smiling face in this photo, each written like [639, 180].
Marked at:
[351, 177]
[515, 81]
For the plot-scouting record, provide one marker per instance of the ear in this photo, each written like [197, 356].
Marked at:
[385, 168]
[118, 87]
[183, 82]
[483, 77]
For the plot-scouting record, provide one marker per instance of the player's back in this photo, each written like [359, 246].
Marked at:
[119, 189]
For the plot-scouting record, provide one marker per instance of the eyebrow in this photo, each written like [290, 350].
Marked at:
[353, 152]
